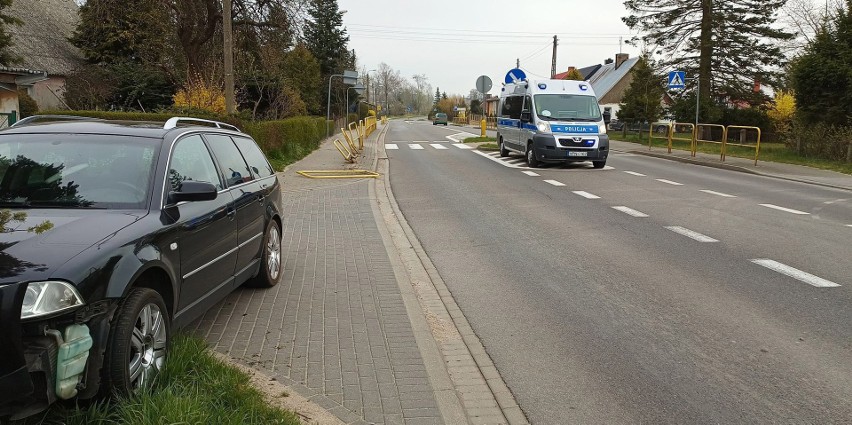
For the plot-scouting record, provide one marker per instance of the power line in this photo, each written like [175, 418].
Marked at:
[514, 33]
[464, 40]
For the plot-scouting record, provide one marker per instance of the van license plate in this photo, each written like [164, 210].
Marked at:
[570, 153]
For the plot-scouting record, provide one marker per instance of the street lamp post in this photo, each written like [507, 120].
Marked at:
[359, 89]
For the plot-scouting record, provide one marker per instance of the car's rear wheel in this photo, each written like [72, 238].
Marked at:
[503, 150]
[138, 343]
[270, 268]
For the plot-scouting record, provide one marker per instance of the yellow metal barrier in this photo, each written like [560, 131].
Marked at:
[347, 155]
[756, 146]
[352, 146]
[361, 134]
[357, 132]
[339, 174]
[691, 139]
[698, 138]
[667, 137]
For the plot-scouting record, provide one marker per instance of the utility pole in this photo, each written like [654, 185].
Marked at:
[518, 63]
[229, 56]
[553, 64]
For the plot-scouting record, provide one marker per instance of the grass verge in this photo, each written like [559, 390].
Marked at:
[488, 147]
[479, 140]
[195, 388]
[769, 152]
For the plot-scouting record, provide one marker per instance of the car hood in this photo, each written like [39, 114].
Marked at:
[26, 255]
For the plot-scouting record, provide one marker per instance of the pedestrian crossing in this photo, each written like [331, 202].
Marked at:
[512, 161]
[421, 145]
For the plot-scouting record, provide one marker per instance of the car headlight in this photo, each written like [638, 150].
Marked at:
[543, 127]
[602, 129]
[51, 297]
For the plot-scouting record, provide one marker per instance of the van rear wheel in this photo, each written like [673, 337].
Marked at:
[503, 150]
[532, 161]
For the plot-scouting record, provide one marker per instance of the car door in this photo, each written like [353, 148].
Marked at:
[245, 189]
[206, 231]
[508, 123]
[526, 130]
[265, 184]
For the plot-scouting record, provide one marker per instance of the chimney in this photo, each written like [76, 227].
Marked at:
[620, 58]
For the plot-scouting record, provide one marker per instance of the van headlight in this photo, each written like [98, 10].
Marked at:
[543, 127]
[601, 128]
[47, 298]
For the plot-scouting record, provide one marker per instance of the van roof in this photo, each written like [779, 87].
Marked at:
[550, 86]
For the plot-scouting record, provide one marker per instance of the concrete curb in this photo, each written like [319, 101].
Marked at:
[468, 387]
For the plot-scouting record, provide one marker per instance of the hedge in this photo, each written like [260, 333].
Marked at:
[283, 141]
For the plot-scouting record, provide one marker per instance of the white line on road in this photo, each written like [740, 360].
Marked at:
[439, 141]
[633, 173]
[691, 234]
[415, 146]
[495, 159]
[586, 195]
[531, 173]
[439, 146]
[792, 211]
[669, 182]
[420, 141]
[459, 137]
[849, 225]
[631, 211]
[555, 183]
[462, 146]
[795, 273]
[607, 168]
[391, 146]
[724, 195]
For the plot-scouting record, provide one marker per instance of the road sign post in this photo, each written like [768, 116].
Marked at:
[483, 85]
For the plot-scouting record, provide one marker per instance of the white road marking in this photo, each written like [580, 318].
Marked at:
[459, 137]
[439, 146]
[439, 141]
[792, 211]
[631, 211]
[420, 141]
[391, 146]
[462, 146]
[495, 159]
[795, 273]
[534, 174]
[849, 225]
[555, 183]
[633, 173]
[607, 168]
[586, 195]
[415, 146]
[669, 182]
[724, 195]
[691, 234]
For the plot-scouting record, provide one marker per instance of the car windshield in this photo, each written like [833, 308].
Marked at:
[75, 171]
[567, 107]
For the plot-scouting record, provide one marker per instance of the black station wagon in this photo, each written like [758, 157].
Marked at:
[149, 226]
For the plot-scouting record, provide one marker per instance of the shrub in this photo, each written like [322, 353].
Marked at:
[201, 94]
[28, 105]
[820, 140]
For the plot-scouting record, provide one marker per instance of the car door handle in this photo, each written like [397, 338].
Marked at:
[260, 198]
[231, 212]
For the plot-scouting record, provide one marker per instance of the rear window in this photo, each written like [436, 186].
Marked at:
[440, 115]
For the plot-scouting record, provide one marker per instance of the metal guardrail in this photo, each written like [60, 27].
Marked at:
[756, 146]
[348, 156]
[698, 139]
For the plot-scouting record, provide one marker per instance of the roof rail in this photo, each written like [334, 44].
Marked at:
[37, 118]
[173, 122]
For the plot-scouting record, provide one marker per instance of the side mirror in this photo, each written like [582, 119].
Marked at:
[526, 116]
[607, 117]
[193, 191]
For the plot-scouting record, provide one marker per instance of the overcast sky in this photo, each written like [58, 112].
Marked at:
[454, 42]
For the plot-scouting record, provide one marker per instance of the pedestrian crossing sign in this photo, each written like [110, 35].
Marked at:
[676, 79]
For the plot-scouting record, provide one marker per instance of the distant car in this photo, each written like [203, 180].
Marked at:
[440, 118]
[151, 225]
[616, 125]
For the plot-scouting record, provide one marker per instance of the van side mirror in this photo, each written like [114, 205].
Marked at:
[526, 116]
[607, 116]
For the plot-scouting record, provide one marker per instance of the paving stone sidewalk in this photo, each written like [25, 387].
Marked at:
[336, 328]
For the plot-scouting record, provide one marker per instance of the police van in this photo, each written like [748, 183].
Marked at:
[552, 121]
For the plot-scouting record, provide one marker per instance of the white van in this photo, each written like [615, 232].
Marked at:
[552, 121]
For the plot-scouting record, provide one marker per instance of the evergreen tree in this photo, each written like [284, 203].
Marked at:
[111, 31]
[643, 98]
[573, 74]
[437, 95]
[728, 44]
[822, 76]
[6, 57]
[444, 95]
[326, 37]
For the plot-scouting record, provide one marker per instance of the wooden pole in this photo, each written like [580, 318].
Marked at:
[229, 56]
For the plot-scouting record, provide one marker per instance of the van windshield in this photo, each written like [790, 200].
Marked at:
[571, 107]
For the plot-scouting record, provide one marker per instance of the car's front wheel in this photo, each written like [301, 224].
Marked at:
[532, 161]
[270, 268]
[138, 343]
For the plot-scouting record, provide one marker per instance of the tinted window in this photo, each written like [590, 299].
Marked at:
[229, 157]
[76, 171]
[567, 106]
[191, 161]
[255, 158]
[512, 106]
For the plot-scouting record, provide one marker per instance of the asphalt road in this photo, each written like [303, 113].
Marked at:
[661, 292]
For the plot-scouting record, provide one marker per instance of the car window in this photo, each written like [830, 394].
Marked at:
[255, 158]
[191, 161]
[512, 106]
[233, 165]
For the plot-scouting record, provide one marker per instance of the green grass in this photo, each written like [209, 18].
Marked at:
[195, 388]
[479, 139]
[769, 152]
[488, 147]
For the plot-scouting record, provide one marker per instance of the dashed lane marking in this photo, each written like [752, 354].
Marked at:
[789, 210]
[795, 273]
[669, 182]
[391, 146]
[415, 146]
[691, 234]
[462, 146]
[586, 195]
[534, 174]
[555, 183]
[631, 212]
[724, 195]
[439, 146]
[633, 173]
